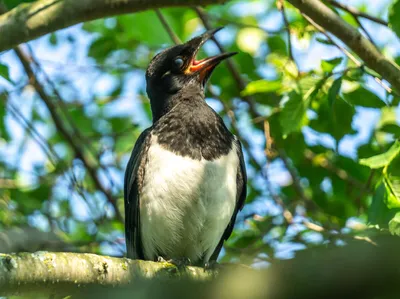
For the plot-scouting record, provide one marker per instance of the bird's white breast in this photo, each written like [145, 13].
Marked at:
[185, 204]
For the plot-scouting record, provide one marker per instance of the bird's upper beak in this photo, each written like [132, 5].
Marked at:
[204, 66]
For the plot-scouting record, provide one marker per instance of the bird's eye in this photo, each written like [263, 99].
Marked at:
[178, 62]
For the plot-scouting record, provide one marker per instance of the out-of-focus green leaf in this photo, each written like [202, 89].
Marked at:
[324, 41]
[378, 212]
[334, 90]
[394, 225]
[335, 120]
[261, 86]
[3, 128]
[365, 98]
[277, 45]
[53, 39]
[81, 121]
[391, 128]
[394, 17]
[329, 65]
[293, 114]
[384, 159]
[10, 4]
[392, 183]
[4, 72]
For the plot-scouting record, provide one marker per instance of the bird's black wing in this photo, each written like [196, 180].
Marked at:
[131, 197]
[241, 190]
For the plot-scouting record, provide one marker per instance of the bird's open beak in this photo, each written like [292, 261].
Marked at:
[204, 66]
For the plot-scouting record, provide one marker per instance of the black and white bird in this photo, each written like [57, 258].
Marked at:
[186, 179]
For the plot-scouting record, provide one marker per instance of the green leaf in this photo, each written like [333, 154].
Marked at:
[334, 90]
[4, 72]
[3, 129]
[392, 183]
[365, 98]
[261, 86]
[10, 4]
[378, 212]
[394, 17]
[277, 45]
[394, 225]
[354, 74]
[53, 39]
[324, 41]
[391, 128]
[384, 159]
[293, 114]
[329, 65]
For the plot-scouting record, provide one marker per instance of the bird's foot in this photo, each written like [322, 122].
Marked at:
[180, 263]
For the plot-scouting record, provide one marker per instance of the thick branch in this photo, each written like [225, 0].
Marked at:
[62, 273]
[29, 21]
[358, 270]
[326, 18]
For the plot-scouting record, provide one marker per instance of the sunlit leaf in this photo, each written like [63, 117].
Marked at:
[384, 159]
[334, 90]
[261, 86]
[329, 65]
[293, 114]
[394, 17]
[4, 72]
[365, 98]
[391, 128]
[394, 225]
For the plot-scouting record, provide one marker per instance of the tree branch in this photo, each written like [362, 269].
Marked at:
[326, 18]
[358, 270]
[64, 131]
[356, 13]
[62, 273]
[29, 21]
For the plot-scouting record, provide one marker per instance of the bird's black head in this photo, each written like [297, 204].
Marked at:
[175, 72]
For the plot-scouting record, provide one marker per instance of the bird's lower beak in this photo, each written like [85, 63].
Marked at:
[205, 66]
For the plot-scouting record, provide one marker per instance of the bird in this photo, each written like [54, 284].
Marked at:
[185, 181]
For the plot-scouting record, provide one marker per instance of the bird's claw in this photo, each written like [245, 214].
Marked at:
[178, 262]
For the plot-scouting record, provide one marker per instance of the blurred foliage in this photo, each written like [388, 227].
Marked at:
[327, 173]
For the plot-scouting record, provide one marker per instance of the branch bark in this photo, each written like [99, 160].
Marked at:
[326, 17]
[65, 273]
[357, 270]
[29, 21]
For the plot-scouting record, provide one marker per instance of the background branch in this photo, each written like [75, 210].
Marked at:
[29, 21]
[325, 17]
[64, 131]
[356, 13]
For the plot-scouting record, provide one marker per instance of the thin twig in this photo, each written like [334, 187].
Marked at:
[45, 146]
[340, 173]
[61, 128]
[355, 12]
[231, 66]
[167, 27]
[242, 24]
[281, 7]
[64, 110]
[345, 51]
[362, 27]
[296, 180]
